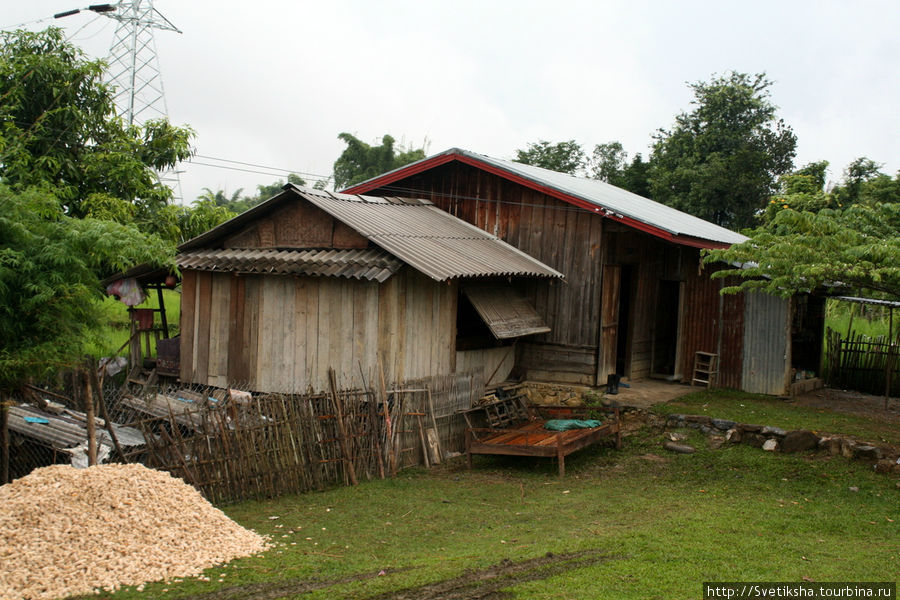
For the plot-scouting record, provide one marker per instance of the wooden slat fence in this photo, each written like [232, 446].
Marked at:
[274, 444]
[862, 363]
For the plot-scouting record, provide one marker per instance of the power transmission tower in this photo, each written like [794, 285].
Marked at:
[133, 70]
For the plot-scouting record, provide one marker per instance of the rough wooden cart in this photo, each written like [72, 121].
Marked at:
[515, 429]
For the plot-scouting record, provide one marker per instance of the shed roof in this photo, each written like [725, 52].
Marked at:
[372, 264]
[590, 194]
[416, 232]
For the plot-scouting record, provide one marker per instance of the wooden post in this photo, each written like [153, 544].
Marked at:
[392, 456]
[340, 423]
[4, 440]
[98, 381]
[89, 417]
[162, 312]
[888, 367]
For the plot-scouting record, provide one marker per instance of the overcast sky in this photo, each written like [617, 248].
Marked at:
[274, 82]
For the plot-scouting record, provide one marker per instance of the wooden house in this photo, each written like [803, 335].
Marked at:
[637, 300]
[310, 280]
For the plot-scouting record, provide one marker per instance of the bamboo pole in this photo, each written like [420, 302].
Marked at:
[338, 406]
[373, 419]
[392, 457]
[89, 415]
[4, 440]
[890, 358]
[98, 380]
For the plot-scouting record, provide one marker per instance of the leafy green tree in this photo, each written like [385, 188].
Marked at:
[721, 161]
[608, 162]
[273, 189]
[57, 128]
[864, 182]
[563, 157]
[798, 250]
[802, 190]
[203, 215]
[359, 161]
[50, 270]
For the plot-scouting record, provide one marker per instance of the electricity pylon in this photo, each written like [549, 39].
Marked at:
[133, 66]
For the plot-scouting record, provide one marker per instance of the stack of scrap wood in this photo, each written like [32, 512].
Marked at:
[66, 531]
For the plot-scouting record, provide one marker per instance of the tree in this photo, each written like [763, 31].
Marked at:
[563, 157]
[273, 189]
[359, 161]
[722, 160]
[50, 269]
[864, 182]
[608, 162]
[59, 129]
[799, 250]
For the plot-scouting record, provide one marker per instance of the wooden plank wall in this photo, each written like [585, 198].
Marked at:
[554, 232]
[281, 333]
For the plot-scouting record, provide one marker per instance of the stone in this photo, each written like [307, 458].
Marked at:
[676, 436]
[678, 448]
[733, 435]
[753, 439]
[750, 427]
[799, 441]
[706, 429]
[703, 419]
[830, 444]
[885, 465]
[854, 488]
[770, 431]
[716, 441]
[847, 448]
[866, 452]
[723, 424]
[770, 445]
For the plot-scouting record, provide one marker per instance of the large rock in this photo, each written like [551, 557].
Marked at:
[799, 441]
[753, 439]
[866, 452]
[723, 424]
[751, 427]
[770, 445]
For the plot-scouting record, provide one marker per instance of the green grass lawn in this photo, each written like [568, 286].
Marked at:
[768, 410]
[116, 331]
[633, 523]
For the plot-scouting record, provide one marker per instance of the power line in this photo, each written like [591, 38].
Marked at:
[247, 164]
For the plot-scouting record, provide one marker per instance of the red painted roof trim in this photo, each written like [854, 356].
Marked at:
[441, 159]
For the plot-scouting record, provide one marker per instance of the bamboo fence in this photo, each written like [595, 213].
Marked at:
[862, 363]
[239, 448]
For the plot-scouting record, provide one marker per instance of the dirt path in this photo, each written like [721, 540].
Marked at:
[483, 584]
[854, 403]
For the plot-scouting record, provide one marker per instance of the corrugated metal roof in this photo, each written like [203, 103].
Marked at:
[372, 264]
[506, 313]
[415, 231]
[427, 238]
[606, 199]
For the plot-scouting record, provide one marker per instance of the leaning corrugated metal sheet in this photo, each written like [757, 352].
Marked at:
[427, 238]
[766, 368]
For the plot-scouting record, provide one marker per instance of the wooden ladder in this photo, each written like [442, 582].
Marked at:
[706, 369]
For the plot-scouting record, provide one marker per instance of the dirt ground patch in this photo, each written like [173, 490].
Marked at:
[482, 584]
[854, 403]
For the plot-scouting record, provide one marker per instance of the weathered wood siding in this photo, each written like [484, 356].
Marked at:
[554, 232]
[497, 363]
[281, 334]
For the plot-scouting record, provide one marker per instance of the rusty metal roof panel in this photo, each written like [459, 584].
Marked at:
[372, 264]
[428, 239]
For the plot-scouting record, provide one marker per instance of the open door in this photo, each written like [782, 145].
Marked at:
[664, 361]
[609, 322]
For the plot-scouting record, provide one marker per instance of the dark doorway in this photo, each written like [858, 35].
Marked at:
[665, 331]
[623, 340]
